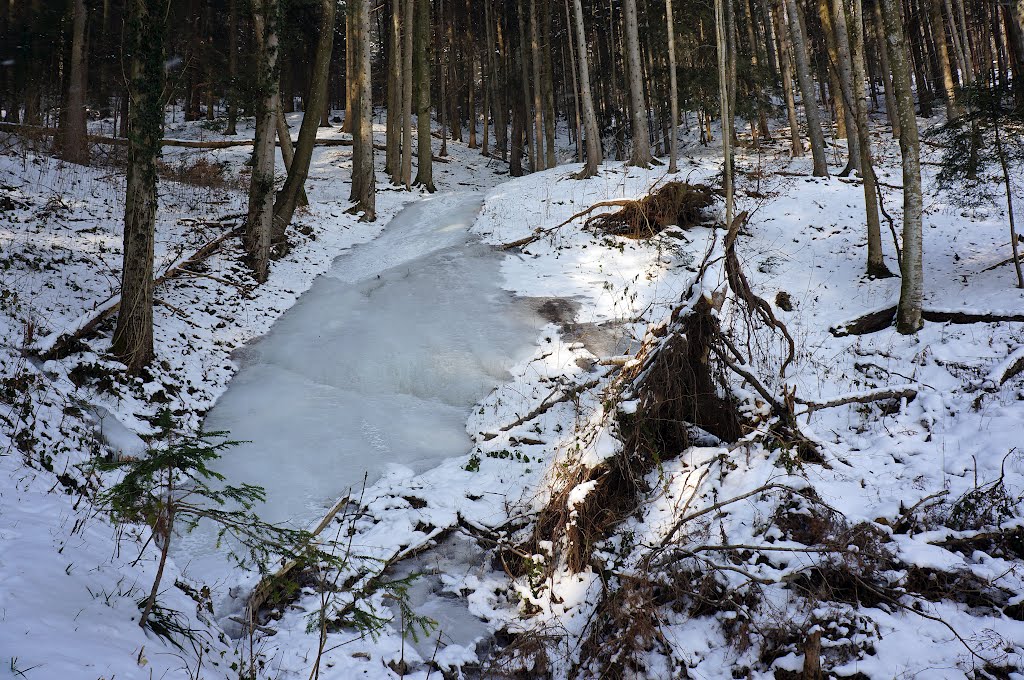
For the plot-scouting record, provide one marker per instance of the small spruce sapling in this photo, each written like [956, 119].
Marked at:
[173, 488]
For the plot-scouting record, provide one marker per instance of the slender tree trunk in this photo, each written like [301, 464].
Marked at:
[883, 57]
[1001, 153]
[259, 223]
[844, 71]
[133, 335]
[525, 82]
[908, 312]
[673, 88]
[641, 154]
[284, 207]
[393, 154]
[575, 82]
[232, 125]
[73, 141]
[786, 67]
[364, 190]
[593, 133]
[722, 48]
[425, 167]
[953, 109]
[537, 87]
[444, 38]
[803, 72]
[284, 138]
[348, 125]
[548, 87]
[409, 14]
[876, 262]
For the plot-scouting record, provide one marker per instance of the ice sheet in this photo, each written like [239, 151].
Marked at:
[376, 365]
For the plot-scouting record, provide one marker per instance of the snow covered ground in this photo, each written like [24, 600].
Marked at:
[65, 574]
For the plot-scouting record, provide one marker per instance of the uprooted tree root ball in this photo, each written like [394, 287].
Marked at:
[679, 204]
[674, 204]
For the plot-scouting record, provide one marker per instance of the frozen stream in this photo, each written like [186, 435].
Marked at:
[377, 365]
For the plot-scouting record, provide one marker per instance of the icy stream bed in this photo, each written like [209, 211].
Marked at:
[376, 366]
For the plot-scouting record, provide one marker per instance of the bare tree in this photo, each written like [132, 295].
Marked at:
[407, 75]
[594, 153]
[424, 167]
[673, 87]
[641, 154]
[908, 312]
[803, 73]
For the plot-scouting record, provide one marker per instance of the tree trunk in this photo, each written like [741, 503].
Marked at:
[876, 262]
[844, 71]
[548, 87]
[908, 312]
[722, 48]
[284, 138]
[786, 67]
[803, 72]
[259, 222]
[364, 190]
[232, 125]
[673, 88]
[133, 336]
[424, 166]
[538, 105]
[883, 57]
[641, 154]
[73, 142]
[284, 207]
[348, 124]
[393, 153]
[594, 153]
[953, 110]
[409, 12]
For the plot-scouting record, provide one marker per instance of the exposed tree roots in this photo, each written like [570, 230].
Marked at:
[674, 204]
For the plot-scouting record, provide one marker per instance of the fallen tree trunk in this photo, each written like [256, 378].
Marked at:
[880, 319]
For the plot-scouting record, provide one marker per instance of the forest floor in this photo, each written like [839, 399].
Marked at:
[954, 609]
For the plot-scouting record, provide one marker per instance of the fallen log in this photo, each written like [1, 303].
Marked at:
[1006, 369]
[882, 318]
[908, 392]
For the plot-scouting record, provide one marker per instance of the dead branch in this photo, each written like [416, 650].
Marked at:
[908, 392]
[546, 405]
[540, 232]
